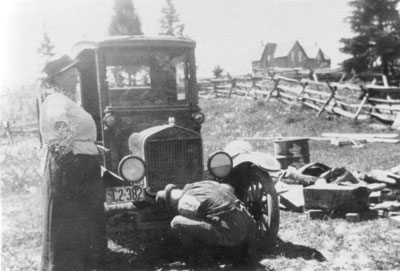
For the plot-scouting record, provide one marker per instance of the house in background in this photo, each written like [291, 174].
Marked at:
[291, 55]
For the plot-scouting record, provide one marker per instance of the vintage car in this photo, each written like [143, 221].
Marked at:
[141, 92]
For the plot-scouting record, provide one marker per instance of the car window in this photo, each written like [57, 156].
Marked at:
[147, 77]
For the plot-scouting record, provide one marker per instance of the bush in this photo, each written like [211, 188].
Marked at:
[217, 71]
[20, 167]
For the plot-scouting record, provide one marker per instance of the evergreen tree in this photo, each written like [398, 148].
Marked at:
[377, 43]
[46, 51]
[170, 22]
[46, 48]
[125, 21]
[217, 71]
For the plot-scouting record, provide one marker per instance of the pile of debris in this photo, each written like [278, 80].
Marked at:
[324, 191]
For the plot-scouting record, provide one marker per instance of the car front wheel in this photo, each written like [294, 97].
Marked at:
[261, 200]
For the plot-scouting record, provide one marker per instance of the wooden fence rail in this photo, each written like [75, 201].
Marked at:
[348, 100]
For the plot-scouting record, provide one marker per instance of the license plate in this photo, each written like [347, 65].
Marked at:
[122, 194]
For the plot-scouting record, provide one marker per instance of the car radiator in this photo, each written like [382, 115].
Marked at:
[176, 161]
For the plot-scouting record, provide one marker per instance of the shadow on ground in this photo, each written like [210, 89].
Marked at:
[292, 251]
[168, 255]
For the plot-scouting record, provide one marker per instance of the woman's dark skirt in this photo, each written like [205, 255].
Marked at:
[74, 236]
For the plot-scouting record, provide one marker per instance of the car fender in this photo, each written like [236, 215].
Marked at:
[260, 159]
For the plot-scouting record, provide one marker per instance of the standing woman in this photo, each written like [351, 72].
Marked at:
[74, 235]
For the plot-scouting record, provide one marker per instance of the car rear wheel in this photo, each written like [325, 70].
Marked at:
[261, 200]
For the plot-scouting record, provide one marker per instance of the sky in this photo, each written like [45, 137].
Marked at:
[228, 33]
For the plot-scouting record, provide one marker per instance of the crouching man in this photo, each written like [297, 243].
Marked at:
[210, 216]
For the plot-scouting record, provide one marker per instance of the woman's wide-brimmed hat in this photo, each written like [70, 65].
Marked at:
[59, 65]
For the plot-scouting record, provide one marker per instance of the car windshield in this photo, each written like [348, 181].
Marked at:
[147, 77]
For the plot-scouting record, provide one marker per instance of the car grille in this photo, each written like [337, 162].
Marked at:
[178, 161]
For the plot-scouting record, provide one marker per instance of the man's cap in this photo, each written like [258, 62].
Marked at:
[59, 65]
[163, 197]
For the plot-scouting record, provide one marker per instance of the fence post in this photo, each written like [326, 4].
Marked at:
[276, 82]
[253, 86]
[333, 91]
[275, 88]
[38, 118]
[303, 86]
[233, 85]
[364, 100]
[7, 132]
[214, 91]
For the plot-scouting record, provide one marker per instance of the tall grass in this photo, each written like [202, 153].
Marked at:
[21, 231]
[19, 165]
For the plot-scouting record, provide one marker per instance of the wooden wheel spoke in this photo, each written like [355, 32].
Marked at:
[253, 192]
[257, 191]
[250, 195]
[246, 199]
[261, 201]
[260, 229]
[260, 190]
[264, 203]
[265, 222]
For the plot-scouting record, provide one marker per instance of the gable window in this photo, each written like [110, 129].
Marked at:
[292, 56]
[300, 56]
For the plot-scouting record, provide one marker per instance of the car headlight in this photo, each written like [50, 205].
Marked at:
[198, 117]
[219, 164]
[132, 168]
[109, 120]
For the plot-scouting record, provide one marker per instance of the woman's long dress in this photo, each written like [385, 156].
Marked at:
[74, 235]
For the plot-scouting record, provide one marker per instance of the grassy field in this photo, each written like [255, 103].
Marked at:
[303, 244]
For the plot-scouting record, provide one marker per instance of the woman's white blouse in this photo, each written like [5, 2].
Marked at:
[65, 126]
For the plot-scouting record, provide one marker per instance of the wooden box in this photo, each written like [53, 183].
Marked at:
[332, 197]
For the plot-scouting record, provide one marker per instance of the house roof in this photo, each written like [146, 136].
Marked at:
[258, 52]
[326, 57]
[311, 49]
[283, 48]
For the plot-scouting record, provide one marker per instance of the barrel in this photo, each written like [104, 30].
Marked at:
[291, 150]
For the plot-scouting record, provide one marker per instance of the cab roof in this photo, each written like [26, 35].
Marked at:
[134, 41]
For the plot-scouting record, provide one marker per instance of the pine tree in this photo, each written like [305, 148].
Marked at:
[377, 43]
[46, 51]
[125, 20]
[46, 48]
[217, 71]
[170, 22]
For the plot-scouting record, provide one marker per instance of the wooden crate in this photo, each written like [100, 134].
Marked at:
[336, 197]
[394, 221]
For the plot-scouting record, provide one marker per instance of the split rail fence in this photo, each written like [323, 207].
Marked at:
[357, 101]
